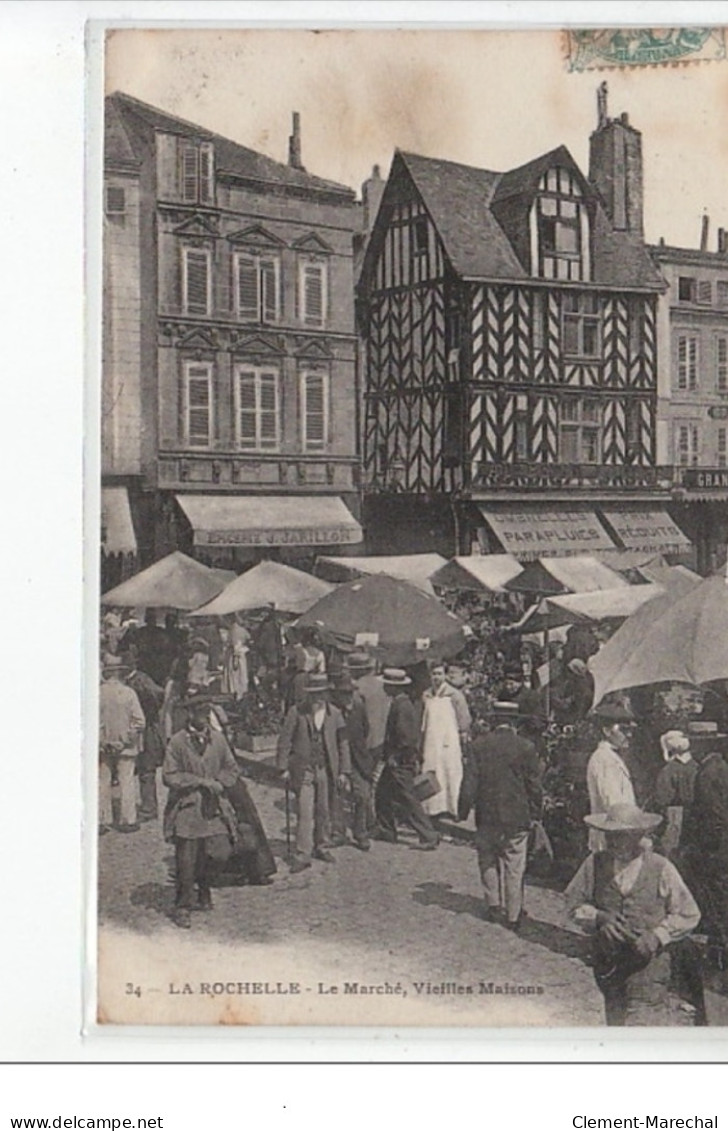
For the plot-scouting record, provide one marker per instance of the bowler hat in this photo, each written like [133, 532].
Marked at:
[196, 696]
[316, 682]
[342, 681]
[613, 713]
[622, 819]
[395, 677]
[359, 662]
[114, 665]
[704, 738]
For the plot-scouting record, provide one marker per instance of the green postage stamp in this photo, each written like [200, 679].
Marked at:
[593, 49]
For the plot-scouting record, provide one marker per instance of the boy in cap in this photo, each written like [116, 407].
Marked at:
[608, 779]
[637, 904]
[502, 780]
[395, 792]
[313, 755]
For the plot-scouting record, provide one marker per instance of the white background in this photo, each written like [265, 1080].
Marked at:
[41, 570]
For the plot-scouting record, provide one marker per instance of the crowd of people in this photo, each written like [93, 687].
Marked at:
[369, 751]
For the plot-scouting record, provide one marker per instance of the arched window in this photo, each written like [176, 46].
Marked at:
[560, 228]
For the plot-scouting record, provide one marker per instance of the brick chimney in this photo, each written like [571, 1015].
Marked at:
[615, 167]
[294, 143]
[371, 195]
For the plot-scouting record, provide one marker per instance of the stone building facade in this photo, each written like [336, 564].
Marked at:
[230, 401]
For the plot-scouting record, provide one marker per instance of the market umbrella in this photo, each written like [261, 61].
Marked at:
[393, 619]
[268, 583]
[681, 637]
[174, 582]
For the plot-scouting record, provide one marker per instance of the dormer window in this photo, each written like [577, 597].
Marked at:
[560, 228]
[197, 172]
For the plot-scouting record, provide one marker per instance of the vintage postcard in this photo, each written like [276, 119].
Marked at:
[413, 417]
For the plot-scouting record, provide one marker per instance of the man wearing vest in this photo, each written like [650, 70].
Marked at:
[637, 904]
[313, 755]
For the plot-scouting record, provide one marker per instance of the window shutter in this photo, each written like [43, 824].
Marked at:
[115, 200]
[268, 409]
[198, 405]
[314, 411]
[196, 281]
[269, 289]
[248, 291]
[313, 294]
[207, 171]
[247, 409]
[705, 292]
[190, 172]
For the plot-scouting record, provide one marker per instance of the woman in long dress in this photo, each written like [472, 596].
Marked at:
[445, 724]
[235, 661]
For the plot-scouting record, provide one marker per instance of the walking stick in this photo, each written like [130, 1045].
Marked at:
[288, 821]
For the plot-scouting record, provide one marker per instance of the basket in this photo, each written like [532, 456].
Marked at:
[426, 786]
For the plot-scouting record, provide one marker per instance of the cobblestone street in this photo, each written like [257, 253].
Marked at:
[392, 917]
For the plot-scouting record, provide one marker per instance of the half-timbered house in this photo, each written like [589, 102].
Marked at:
[509, 355]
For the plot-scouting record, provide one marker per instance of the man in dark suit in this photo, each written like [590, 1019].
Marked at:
[313, 755]
[346, 697]
[502, 779]
[705, 836]
[395, 792]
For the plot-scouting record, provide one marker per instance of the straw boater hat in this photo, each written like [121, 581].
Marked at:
[114, 665]
[359, 662]
[704, 738]
[316, 683]
[505, 710]
[623, 819]
[395, 677]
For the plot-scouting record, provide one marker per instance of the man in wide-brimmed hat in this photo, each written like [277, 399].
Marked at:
[121, 724]
[608, 778]
[502, 780]
[313, 755]
[198, 767]
[637, 904]
[395, 797]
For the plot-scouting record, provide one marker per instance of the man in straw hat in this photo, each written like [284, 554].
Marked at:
[503, 781]
[121, 725]
[637, 904]
[198, 767]
[608, 779]
[313, 755]
[395, 791]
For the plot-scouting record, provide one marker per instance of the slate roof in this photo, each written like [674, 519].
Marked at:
[129, 125]
[482, 219]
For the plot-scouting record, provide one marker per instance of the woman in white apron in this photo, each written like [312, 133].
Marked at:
[442, 748]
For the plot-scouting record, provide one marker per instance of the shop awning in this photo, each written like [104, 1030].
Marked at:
[648, 530]
[415, 568]
[270, 520]
[117, 528]
[532, 532]
[577, 574]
